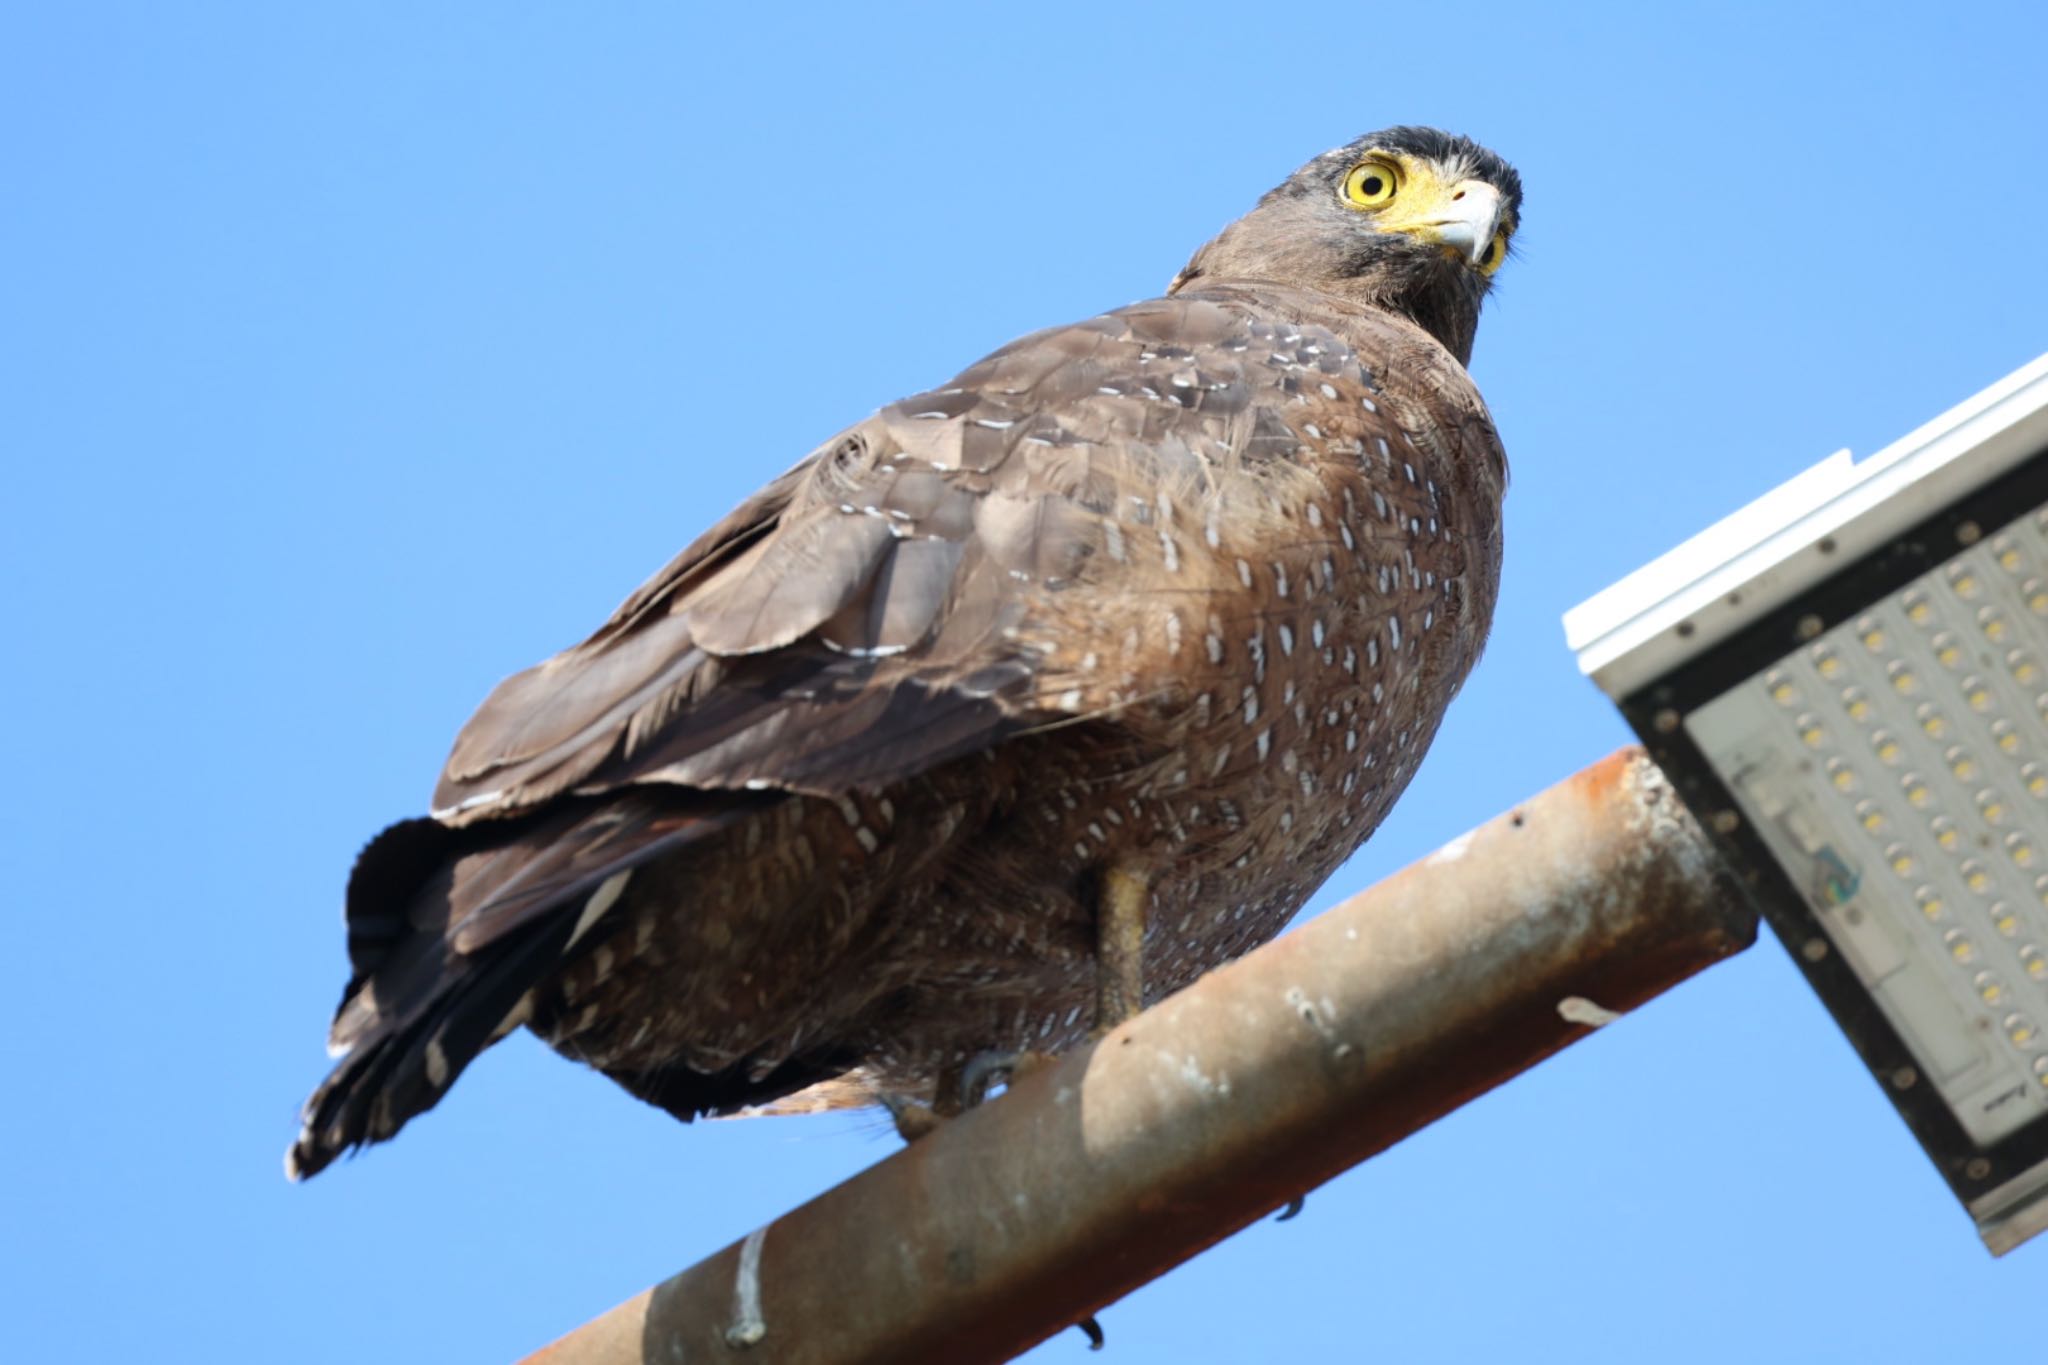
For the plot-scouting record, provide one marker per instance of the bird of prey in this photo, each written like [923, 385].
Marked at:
[1023, 702]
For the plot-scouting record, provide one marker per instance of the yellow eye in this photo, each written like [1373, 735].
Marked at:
[1496, 252]
[1371, 184]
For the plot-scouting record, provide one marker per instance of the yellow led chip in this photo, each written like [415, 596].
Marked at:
[1977, 695]
[1945, 833]
[1870, 816]
[2035, 779]
[2004, 920]
[1964, 582]
[1975, 877]
[2036, 965]
[1901, 859]
[2025, 671]
[1989, 988]
[1946, 652]
[2020, 1029]
[1961, 764]
[1959, 947]
[1993, 625]
[1887, 747]
[1810, 733]
[2020, 850]
[1990, 807]
[1826, 664]
[1930, 904]
[1916, 790]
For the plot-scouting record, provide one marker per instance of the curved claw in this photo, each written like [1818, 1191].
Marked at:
[1294, 1206]
[983, 1070]
[1094, 1330]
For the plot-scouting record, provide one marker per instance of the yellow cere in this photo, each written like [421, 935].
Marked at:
[1407, 194]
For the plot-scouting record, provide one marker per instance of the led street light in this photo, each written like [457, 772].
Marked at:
[1847, 681]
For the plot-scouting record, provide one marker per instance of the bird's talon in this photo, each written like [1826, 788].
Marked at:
[1294, 1206]
[1093, 1329]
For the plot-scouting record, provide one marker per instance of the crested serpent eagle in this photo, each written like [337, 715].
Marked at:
[1022, 702]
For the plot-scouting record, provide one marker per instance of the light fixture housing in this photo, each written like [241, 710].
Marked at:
[1847, 682]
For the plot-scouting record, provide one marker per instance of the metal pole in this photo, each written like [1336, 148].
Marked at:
[1258, 1083]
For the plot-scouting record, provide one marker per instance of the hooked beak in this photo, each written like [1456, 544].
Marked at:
[1471, 215]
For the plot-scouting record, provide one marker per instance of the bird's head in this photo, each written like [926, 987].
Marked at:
[1410, 219]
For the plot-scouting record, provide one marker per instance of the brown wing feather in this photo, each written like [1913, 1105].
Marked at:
[864, 616]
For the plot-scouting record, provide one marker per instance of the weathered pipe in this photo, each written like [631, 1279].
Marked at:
[1213, 1108]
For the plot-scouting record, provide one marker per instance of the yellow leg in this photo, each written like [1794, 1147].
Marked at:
[1119, 947]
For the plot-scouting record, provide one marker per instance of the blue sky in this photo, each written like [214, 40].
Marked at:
[355, 356]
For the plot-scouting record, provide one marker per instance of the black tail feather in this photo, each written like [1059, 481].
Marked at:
[402, 1068]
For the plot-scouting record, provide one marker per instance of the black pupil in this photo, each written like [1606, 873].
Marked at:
[1371, 185]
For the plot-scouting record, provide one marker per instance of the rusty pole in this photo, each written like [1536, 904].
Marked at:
[1256, 1084]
